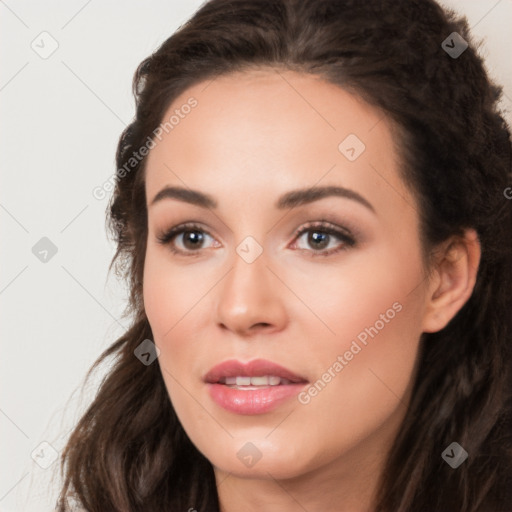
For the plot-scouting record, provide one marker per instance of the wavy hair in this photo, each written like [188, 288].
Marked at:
[129, 452]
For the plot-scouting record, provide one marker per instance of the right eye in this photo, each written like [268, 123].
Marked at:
[190, 236]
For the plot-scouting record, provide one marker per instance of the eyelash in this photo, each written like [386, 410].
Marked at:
[322, 226]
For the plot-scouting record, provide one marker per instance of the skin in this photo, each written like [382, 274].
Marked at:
[253, 137]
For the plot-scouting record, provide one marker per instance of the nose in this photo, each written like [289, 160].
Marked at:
[251, 299]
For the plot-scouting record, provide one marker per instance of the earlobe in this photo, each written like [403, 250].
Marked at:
[453, 280]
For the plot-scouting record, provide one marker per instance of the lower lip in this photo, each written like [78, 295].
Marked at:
[253, 401]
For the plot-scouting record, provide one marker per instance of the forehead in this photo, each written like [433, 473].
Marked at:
[270, 127]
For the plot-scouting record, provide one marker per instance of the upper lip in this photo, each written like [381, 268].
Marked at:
[254, 368]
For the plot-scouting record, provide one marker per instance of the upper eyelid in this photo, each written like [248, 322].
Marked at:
[319, 224]
[326, 225]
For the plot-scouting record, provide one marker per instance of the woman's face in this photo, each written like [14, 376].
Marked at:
[340, 305]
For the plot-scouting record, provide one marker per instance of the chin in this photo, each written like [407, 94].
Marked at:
[261, 459]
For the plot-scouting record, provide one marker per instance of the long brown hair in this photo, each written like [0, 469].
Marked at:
[129, 452]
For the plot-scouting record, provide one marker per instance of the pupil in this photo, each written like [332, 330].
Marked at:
[193, 237]
[315, 236]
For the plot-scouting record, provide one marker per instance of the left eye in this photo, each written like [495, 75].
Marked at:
[324, 240]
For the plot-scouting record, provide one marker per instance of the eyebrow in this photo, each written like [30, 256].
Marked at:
[291, 199]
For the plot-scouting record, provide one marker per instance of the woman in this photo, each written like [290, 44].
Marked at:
[258, 375]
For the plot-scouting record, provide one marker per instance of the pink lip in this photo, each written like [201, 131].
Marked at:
[255, 401]
[254, 368]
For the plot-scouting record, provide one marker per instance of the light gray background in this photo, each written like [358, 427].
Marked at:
[60, 122]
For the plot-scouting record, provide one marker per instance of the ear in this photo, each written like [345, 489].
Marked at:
[452, 280]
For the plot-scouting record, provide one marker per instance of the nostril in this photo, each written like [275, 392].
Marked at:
[261, 324]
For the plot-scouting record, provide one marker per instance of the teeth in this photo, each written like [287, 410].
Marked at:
[264, 380]
[260, 381]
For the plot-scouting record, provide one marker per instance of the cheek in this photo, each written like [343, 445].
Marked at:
[163, 302]
[363, 290]
[160, 297]
[174, 298]
[168, 298]
[363, 381]
[364, 370]
[170, 292]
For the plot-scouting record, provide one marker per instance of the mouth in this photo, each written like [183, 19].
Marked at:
[252, 388]
[258, 372]
[241, 382]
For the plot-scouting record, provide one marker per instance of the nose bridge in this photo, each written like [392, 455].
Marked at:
[249, 296]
